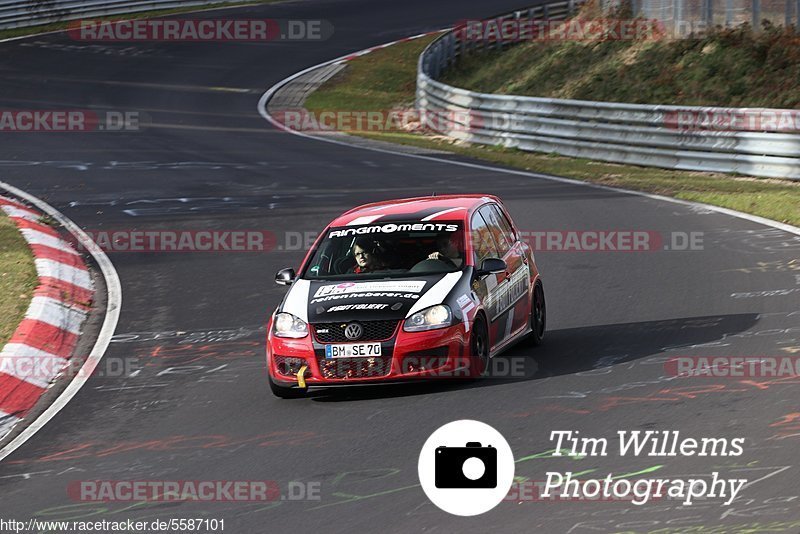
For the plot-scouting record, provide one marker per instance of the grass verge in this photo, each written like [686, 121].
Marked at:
[18, 278]
[385, 80]
[57, 26]
[728, 67]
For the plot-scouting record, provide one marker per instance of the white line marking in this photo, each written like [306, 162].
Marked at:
[364, 220]
[7, 422]
[436, 294]
[465, 311]
[113, 307]
[395, 205]
[262, 110]
[297, 299]
[198, 10]
[439, 213]
[509, 322]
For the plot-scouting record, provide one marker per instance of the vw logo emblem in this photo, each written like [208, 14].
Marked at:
[353, 331]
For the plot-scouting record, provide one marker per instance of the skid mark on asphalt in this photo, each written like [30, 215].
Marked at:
[175, 443]
[192, 364]
[160, 361]
[197, 336]
[105, 50]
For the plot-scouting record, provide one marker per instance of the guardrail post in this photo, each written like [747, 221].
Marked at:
[708, 13]
[728, 13]
[787, 13]
[756, 15]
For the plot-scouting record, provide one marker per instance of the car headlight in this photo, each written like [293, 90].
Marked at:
[287, 325]
[438, 316]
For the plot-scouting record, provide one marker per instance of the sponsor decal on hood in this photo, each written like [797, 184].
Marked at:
[369, 300]
[337, 291]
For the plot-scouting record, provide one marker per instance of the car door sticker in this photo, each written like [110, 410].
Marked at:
[507, 293]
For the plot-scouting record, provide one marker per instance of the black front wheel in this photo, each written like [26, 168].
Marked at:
[538, 315]
[479, 348]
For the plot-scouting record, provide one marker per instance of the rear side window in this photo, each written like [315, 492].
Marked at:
[483, 244]
[500, 236]
[505, 223]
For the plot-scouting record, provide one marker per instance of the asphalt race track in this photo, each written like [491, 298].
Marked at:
[198, 406]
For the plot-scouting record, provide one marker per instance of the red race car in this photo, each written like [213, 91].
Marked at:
[405, 289]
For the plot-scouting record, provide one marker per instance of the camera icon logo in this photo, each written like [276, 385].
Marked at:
[466, 467]
[472, 466]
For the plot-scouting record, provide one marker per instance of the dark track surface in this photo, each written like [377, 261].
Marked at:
[612, 316]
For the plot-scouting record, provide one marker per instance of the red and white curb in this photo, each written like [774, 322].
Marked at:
[40, 348]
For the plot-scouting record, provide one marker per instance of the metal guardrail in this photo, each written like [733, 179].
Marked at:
[607, 131]
[684, 16]
[25, 13]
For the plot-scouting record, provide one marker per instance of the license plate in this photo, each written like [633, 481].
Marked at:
[353, 350]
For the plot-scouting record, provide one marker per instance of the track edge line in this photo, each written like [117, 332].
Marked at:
[113, 307]
[266, 96]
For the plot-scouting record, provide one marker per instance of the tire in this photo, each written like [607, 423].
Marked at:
[284, 392]
[479, 348]
[538, 315]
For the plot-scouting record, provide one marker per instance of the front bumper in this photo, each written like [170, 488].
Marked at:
[442, 353]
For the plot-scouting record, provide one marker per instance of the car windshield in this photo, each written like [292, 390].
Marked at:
[388, 250]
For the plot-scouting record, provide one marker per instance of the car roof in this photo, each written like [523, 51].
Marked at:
[433, 208]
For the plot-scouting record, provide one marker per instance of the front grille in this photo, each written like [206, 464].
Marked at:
[355, 367]
[373, 331]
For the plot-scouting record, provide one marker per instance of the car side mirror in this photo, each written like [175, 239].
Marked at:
[285, 277]
[491, 266]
